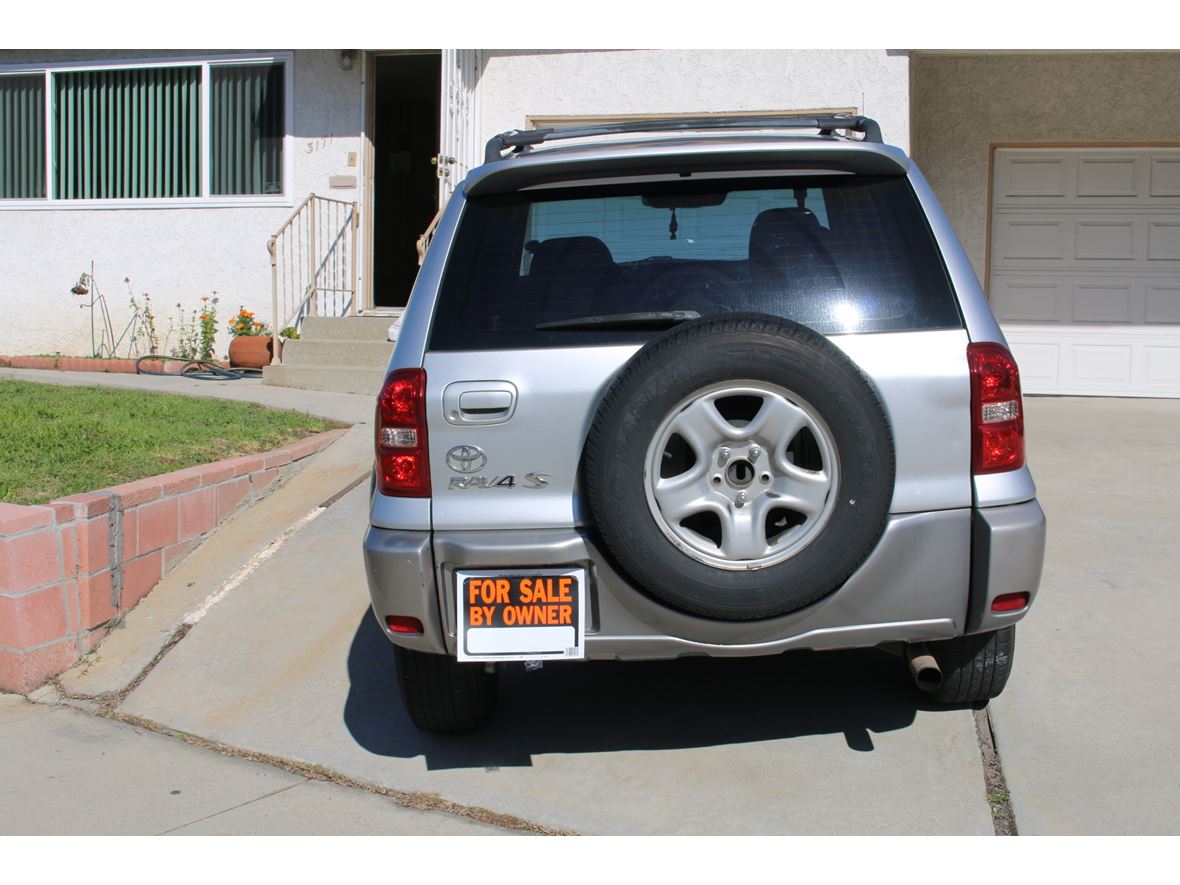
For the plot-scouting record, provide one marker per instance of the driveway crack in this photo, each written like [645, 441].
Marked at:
[995, 785]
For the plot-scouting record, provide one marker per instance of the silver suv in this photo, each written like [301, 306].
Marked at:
[709, 387]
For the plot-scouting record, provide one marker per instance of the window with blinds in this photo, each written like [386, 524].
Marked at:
[22, 137]
[123, 134]
[178, 131]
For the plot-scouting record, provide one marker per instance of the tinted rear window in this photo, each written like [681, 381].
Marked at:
[838, 253]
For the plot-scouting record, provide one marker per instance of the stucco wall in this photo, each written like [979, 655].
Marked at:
[516, 84]
[964, 103]
[176, 255]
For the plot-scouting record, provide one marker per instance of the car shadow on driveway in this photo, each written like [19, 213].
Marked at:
[603, 706]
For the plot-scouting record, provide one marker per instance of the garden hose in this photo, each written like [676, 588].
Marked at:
[201, 370]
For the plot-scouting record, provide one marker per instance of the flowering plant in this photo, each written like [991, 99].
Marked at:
[243, 323]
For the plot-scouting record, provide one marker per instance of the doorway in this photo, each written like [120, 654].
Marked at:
[407, 96]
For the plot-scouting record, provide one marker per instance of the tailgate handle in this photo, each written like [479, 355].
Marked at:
[479, 402]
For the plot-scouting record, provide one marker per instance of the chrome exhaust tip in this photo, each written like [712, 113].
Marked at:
[923, 667]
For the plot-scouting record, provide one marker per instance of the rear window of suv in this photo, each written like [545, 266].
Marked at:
[838, 253]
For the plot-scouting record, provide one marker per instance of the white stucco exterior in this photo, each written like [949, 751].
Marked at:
[174, 254]
[518, 84]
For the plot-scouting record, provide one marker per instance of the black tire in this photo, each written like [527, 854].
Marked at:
[691, 357]
[974, 668]
[443, 696]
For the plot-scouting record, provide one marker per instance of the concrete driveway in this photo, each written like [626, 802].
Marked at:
[290, 664]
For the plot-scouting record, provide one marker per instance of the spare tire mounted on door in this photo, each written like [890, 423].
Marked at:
[740, 467]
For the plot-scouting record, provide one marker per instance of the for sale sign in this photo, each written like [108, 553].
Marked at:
[514, 615]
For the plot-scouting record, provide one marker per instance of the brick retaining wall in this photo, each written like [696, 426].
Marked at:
[70, 569]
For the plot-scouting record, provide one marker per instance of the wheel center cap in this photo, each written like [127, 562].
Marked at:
[740, 473]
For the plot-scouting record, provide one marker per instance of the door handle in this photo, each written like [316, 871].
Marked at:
[479, 402]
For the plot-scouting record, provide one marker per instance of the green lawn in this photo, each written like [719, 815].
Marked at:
[57, 441]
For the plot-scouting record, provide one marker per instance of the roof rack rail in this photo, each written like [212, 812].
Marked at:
[522, 139]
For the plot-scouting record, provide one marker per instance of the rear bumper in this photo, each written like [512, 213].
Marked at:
[922, 582]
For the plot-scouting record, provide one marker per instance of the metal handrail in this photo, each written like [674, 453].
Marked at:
[313, 254]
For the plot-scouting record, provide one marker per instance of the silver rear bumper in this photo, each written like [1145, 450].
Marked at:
[932, 576]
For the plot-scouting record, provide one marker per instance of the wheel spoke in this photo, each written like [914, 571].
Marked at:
[777, 422]
[803, 490]
[743, 534]
[686, 494]
[703, 427]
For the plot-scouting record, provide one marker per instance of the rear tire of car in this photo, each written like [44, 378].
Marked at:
[974, 668]
[442, 695]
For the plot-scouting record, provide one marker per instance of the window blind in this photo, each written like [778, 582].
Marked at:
[22, 137]
[127, 133]
[246, 123]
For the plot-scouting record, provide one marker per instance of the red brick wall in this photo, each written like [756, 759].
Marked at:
[69, 570]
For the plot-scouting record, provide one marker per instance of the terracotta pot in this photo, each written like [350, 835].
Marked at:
[251, 351]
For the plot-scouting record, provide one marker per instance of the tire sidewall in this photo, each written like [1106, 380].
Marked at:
[742, 348]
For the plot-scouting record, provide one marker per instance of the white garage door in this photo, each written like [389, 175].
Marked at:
[1085, 268]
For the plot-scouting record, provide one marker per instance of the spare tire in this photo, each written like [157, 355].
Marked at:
[740, 467]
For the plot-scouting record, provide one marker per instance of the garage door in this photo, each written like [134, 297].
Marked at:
[1085, 268]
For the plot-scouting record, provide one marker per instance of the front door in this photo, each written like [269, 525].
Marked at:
[407, 98]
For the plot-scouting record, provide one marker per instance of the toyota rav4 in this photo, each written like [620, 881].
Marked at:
[724, 386]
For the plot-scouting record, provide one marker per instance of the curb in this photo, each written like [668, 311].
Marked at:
[71, 569]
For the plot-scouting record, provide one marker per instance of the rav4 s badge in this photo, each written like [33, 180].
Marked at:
[528, 481]
[469, 459]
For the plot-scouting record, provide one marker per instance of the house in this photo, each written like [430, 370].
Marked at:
[1060, 171]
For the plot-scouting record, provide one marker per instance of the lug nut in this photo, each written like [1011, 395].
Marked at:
[741, 499]
[723, 456]
[755, 453]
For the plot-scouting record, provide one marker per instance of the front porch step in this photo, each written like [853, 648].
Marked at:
[337, 352]
[346, 354]
[366, 328]
[343, 379]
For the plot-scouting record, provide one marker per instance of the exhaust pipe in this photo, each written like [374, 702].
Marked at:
[923, 667]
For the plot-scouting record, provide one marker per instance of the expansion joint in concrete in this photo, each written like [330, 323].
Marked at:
[999, 800]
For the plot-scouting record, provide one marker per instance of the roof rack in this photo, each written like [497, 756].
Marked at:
[520, 140]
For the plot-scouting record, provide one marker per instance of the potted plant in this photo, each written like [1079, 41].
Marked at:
[251, 346]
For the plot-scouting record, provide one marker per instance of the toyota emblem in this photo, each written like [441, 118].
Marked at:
[466, 459]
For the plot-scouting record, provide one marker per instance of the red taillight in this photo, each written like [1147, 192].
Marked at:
[403, 624]
[1010, 602]
[997, 416]
[403, 466]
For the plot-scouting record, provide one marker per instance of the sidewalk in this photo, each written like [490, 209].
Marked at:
[347, 407]
[63, 772]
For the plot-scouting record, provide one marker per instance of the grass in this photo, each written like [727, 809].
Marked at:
[57, 441]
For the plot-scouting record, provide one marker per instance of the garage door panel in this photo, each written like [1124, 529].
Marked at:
[1085, 267]
[1163, 304]
[1024, 239]
[1034, 177]
[1098, 303]
[1030, 301]
[1104, 240]
[1102, 362]
[1163, 365]
[1040, 363]
[1165, 177]
[1164, 241]
[1112, 177]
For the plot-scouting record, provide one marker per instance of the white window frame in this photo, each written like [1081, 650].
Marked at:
[206, 200]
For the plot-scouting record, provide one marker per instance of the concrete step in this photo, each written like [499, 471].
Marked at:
[345, 379]
[367, 328]
[337, 352]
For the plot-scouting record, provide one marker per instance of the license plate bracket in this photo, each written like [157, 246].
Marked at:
[521, 614]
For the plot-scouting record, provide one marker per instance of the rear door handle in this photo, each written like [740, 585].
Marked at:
[479, 402]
